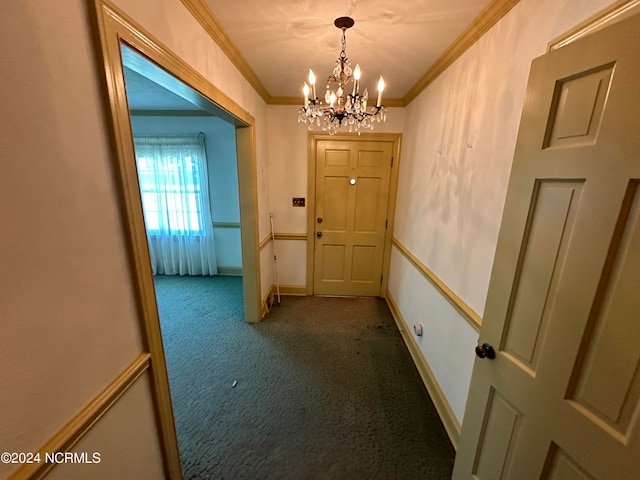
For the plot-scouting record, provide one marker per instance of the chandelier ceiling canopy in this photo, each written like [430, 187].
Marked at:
[343, 104]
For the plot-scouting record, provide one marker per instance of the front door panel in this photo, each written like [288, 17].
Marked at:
[352, 191]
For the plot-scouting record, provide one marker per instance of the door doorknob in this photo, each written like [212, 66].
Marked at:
[485, 350]
[319, 234]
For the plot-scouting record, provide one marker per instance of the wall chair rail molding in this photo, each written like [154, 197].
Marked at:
[264, 242]
[69, 435]
[448, 418]
[465, 310]
[226, 224]
[290, 236]
[282, 236]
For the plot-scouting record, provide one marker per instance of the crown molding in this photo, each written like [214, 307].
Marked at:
[208, 21]
[286, 101]
[611, 14]
[483, 23]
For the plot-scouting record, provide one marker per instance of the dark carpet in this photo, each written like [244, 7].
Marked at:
[326, 388]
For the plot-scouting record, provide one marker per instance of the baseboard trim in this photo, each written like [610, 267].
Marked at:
[448, 418]
[67, 437]
[230, 271]
[465, 310]
[294, 290]
[267, 302]
[270, 298]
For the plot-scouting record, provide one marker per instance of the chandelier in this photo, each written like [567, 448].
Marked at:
[344, 104]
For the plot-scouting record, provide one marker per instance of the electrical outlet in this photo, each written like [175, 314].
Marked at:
[298, 201]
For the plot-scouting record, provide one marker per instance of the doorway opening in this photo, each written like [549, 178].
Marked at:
[116, 30]
[187, 172]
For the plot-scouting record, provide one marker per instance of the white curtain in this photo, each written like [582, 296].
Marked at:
[175, 197]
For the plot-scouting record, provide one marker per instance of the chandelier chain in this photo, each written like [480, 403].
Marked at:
[343, 52]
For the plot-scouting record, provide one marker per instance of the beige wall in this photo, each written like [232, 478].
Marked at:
[124, 452]
[68, 319]
[458, 145]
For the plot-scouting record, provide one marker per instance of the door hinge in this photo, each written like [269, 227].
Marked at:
[380, 279]
[386, 224]
[391, 162]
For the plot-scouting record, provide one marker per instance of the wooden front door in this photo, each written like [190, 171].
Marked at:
[561, 399]
[351, 199]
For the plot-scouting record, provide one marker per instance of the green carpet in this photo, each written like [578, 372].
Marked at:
[326, 388]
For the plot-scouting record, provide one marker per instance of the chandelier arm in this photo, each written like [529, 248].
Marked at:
[340, 104]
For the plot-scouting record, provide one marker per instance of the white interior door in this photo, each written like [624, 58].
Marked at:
[561, 398]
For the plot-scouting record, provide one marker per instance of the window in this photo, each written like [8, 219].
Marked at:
[172, 173]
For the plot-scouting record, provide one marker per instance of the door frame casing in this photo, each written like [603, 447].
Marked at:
[313, 138]
[115, 28]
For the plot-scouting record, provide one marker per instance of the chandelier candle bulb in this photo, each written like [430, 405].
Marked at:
[380, 90]
[342, 104]
[312, 81]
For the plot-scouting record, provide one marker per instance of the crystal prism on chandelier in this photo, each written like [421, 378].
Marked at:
[344, 104]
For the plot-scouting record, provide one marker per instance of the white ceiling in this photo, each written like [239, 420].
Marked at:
[144, 94]
[400, 40]
[281, 39]
[152, 90]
